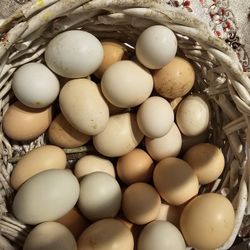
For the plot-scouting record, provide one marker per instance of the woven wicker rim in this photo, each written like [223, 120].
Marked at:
[24, 37]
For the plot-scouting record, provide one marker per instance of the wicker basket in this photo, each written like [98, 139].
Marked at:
[218, 71]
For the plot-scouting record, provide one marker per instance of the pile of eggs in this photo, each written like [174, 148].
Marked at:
[140, 189]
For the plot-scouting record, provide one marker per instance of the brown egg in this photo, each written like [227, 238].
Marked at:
[74, 221]
[175, 181]
[207, 161]
[113, 52]
[106, 234]
[22, 123]
[141, 203]
[207, 221]
[62, 134]
[135, 166]
[175, 79]
[37, 160]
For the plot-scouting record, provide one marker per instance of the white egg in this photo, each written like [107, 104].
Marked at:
[192, 116]
[161, 235]
[100, 196]
[74, 54]
[35, 85]
[156, 46]
[155, 117]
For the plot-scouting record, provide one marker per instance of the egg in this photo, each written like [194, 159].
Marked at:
[74, 221]
[120, 136]
[93, 163]
[35, 85]
[161, 235]
[175, 79]
[126, 84]
[62, 134]
[83, 106]
[175, 181]
[50, 236]
[100, 196]
[33, 122]
[35, 161]
[155, 117]
[74, 54]
[207, 221]
[192, 116]
[156, 46]
[165, 146]
[135, 166]
[46, 196]
[106, 234]
[141, 203]
[207, 160]
[114, 51]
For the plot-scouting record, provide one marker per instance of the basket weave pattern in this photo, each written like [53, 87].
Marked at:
[219, 75]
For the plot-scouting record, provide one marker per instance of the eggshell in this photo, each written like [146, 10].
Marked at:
[33, 122]
[156, 46]
[106, 234]
[135, 166]
[46, 196]
[207, 221]
[175, 79]
[37, 160]
[35, 85]
[165, 146]
[93, 163]
[74, 54]
[50, 236]
[113, 52]
[83, 106]
[120, 136]
[74, 221]
[62, 134]
[100, 196]
[126, 84]
[161, 235]
[207, 160]
[141, 203]
[192, 116]
[175, 181]
[155, 117]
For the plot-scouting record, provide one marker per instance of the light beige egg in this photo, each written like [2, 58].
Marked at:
[93, 163]
[50, 236]
[120, 136]
[37, 160]
[83, 106]
[62, 134]
[22, 123]
[165, 146]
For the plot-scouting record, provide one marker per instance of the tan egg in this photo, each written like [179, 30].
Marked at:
[165, 146]
[120, 136]
[113, 52]
[175, 79]
[93, 163]
[106, 234]
[141, 203]
[207, 221]
[50, 236]
[135, 166]
[207, 160]
[22, 123]
[83, 106]
[62, 134]
[74, 221]
[175, 181]
[38, 160]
